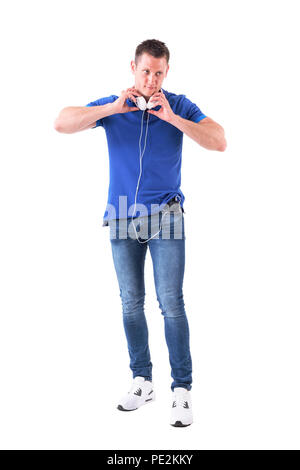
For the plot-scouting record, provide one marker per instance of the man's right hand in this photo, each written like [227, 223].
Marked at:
[120, 105]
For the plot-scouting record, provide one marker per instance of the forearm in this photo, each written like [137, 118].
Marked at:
[209, 136]
[75, 118]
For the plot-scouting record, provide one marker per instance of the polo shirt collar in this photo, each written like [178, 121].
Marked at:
[155, 108]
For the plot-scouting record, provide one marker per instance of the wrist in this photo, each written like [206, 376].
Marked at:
[175, 119]
[111, 108]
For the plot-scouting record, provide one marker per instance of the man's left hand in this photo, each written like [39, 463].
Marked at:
[165, 113]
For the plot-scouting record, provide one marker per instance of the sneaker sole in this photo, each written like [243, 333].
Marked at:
[178, 424]
[121, 408]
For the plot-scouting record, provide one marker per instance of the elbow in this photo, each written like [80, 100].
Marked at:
[57, 126]
[219, 141]
[62, 122]
[222, 146]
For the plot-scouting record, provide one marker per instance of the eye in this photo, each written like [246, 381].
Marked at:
[147, 71]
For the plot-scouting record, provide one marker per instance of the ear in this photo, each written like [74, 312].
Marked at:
[133, 66]
[167, 69]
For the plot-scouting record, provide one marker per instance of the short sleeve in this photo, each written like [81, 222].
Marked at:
[191, 111]
[100, 102]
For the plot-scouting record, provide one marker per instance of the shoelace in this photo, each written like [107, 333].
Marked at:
[134, 388]
[180, 400]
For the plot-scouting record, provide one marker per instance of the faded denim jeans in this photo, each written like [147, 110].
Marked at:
[167, 251]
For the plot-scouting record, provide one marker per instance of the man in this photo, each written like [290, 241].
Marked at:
[150, 185]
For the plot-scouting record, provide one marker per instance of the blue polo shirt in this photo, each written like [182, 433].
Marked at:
[161, 163]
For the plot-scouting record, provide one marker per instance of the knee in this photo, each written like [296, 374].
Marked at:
[171, 304]
[132, 303]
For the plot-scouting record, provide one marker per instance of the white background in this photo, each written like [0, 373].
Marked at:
[64, 359]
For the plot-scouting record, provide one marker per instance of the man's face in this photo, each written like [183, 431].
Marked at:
[149, 74]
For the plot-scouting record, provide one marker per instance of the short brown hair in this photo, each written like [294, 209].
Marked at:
[153, 47]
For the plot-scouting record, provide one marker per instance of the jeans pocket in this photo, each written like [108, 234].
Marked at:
[173, 225]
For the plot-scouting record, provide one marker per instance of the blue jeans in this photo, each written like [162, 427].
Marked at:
[168, 258]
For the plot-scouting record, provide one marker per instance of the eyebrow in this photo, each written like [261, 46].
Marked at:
[146, 68]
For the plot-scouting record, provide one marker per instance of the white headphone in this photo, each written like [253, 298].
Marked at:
[143, 105]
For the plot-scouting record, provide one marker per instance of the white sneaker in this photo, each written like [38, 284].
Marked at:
[140, 393]
[181, 414]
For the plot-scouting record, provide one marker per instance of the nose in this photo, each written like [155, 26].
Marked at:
[151, 80]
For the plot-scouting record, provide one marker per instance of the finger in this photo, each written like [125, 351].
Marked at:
[127, 92]
[156, 101]
[158, 93]
[131, 94]
[155, 95]
[133, 98]
[134, 91]
[150, 111]
[157, 98]
[134, 109]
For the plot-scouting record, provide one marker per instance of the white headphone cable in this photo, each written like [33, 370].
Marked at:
[137, 187]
